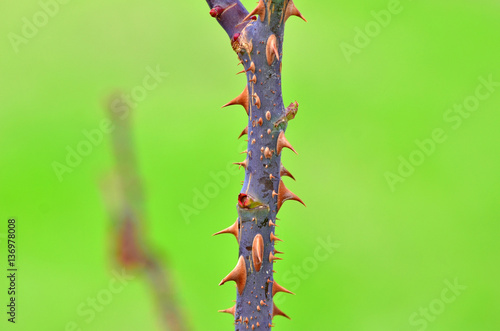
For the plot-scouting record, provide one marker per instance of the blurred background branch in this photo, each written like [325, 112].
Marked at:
[124, 198]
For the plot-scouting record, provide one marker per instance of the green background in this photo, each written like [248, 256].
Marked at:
[396, 248]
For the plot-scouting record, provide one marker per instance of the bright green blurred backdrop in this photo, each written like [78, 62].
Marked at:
[396, 249]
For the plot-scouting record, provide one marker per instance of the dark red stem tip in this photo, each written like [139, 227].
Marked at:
[243, 200]
[235, 37]
[216, 11]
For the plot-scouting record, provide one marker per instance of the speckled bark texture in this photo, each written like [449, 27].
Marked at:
[257, 39]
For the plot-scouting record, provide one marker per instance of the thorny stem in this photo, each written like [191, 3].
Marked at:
[257, 39]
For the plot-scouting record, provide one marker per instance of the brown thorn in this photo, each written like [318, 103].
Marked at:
[267, 153]
[284, 172]
[231, 310]
[251, 68]
[259, 10]
[292, 10]
[257, 100]
[243, 164]
[282, 142]
[278, 288]
[233, 229]
[258, 251]
[285, 194]
[244, 132]
[274, 238]
[271, 49]
[277, 311]
[241, 99]
[273, 258]
[238, 274]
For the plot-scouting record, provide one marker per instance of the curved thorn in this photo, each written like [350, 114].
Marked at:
[278, 288]
[292, 10]
[244, 132]
[274, 238]
[241, 99]
[282, 142]
[277, 311]
[259, 10]
[284, 172]
[233, 229]
[273, 258]
[238, 275]
[285, 194]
